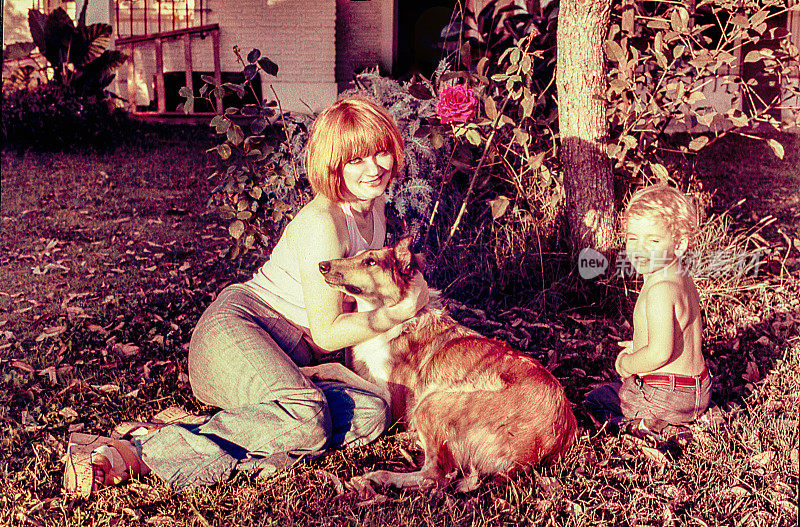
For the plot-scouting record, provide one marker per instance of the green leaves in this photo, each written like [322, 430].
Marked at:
[253, 55]
[499, 206]
[258, 186]
[688, 80]
[420, 91]
[235, 134]
[79, 56]
[250, 71]
[698, 142]
[236, 229]
[269, 67]
[679, 20]
[615, 52]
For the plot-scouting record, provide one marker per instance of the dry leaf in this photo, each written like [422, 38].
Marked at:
[733, 492]
[654, 455]
[128, 349]
[763, 459]
[23, 366]
[106, 388]
[97, 329]
[50, 371]
[577, 508]
[68, 413]
[671, 492]
[51, 331]
[37, 270]
[161, 519]
[503, 506]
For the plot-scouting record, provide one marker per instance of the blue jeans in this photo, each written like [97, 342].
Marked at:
[244, 358]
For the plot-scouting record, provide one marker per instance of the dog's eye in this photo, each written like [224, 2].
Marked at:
[369, 262]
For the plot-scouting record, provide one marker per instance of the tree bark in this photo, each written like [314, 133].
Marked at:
[581, 83]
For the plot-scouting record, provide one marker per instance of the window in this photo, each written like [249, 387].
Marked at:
[147, 17]
[46, 6]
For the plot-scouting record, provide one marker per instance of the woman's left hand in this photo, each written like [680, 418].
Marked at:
[416, 298]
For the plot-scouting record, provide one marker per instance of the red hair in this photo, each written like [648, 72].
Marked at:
[349, 128]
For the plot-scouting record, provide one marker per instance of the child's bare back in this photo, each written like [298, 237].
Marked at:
[677, 294]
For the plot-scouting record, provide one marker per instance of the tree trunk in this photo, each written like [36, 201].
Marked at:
[581, 82]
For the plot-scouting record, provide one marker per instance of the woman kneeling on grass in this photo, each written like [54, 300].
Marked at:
[248, 348]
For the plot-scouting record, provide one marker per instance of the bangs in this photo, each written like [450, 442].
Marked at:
[359, 137]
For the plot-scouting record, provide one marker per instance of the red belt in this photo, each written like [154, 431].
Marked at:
[684, 381]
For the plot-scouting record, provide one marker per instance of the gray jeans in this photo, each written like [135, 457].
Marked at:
[632, 398]
[244, 358]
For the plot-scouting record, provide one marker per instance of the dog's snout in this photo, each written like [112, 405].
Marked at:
[324, 267]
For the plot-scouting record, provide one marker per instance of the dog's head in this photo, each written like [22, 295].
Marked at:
[379, 277]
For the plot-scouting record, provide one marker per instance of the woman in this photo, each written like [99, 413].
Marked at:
[248, 348]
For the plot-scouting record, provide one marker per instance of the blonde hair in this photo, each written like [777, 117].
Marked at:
[349, 128]
[668, 204]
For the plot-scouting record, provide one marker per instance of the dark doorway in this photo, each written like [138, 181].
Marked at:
[419, 24]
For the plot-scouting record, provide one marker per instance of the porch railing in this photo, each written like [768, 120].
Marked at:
[155, 41]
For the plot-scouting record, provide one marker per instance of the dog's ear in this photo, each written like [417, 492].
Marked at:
[405, 258]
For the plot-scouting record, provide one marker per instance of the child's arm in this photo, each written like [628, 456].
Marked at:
[627, 349]
[660, 311]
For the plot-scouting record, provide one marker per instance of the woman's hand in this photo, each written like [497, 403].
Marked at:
[416, 298]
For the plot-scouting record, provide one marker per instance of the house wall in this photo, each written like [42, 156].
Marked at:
[298, 35]
[15, 21]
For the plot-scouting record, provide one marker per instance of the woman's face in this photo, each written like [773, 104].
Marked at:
[366, 178]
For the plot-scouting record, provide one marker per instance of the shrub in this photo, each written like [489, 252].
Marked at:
[261, 183]
[73, 108]
[54, 117]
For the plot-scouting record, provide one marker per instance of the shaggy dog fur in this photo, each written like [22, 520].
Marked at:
[479, 406]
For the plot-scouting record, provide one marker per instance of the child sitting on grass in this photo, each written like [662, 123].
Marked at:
[664, 376]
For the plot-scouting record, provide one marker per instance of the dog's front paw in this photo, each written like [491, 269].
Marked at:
[361, 486]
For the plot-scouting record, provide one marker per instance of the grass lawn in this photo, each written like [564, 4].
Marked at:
[107, 262]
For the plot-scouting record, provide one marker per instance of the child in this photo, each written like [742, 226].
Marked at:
[664, 376]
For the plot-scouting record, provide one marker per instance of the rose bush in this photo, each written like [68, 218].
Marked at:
[456, 104]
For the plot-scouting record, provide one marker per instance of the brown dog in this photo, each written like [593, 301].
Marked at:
[478, 406]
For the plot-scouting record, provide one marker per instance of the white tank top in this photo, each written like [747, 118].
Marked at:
[277, 282]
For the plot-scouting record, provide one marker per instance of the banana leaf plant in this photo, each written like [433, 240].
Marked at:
[77, 53]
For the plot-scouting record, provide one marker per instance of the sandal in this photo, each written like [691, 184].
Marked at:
[87, 471]
[168, 416]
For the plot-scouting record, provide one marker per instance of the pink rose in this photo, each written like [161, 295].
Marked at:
[456, 103]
